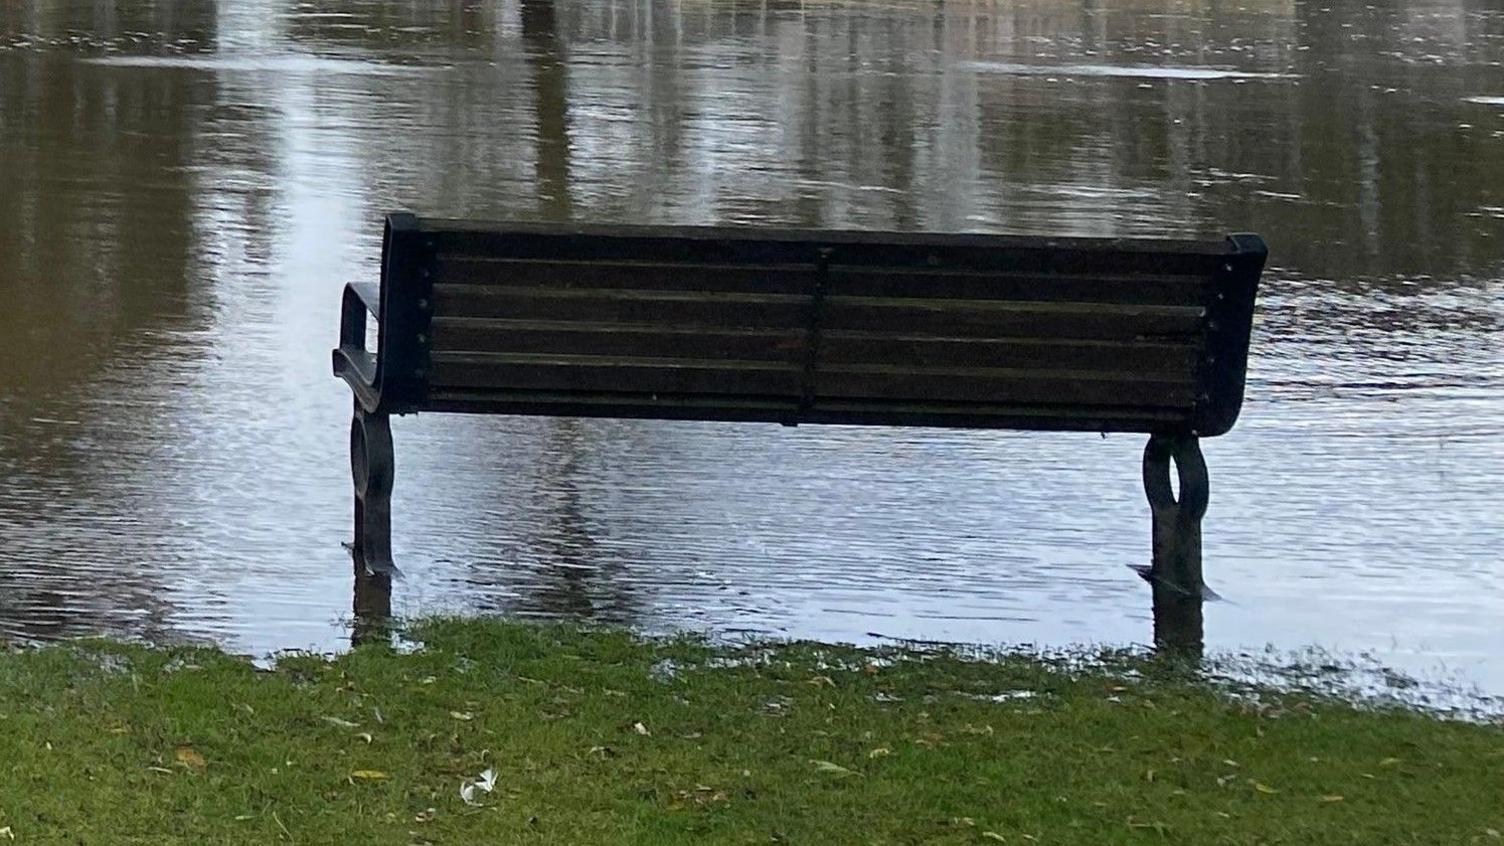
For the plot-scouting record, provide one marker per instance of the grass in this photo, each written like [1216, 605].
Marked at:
[603, 737]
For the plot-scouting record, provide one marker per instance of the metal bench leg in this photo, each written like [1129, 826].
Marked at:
[1175, 573]
[372, 468]
[373, 606]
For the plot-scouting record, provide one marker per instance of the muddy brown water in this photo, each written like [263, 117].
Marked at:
[185, 186]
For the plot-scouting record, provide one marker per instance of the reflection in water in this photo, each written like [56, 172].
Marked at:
[550, 86]
[184, 186]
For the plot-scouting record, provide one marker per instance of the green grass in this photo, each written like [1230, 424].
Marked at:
[603, 737]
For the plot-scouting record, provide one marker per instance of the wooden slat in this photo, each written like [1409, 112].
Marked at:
[994, 319]
[833, 410]
[455, 334]
[581, 240]
[600, 373]
[757, 311]
[1110, 289]
[637, 275]
[998, 386]
[800, 279]
[900, 413]
[1112, 356]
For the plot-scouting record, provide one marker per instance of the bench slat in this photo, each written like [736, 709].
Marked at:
[637, 275]
[1162, 289]
[998, 385]
[936, 318]
[759, 311]
[1145, 359]
[897, 413]
[600, 373]
[692, 375]
[459, 334]
[994, 319]
[1151, 360]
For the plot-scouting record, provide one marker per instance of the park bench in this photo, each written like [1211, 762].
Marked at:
[801, 327]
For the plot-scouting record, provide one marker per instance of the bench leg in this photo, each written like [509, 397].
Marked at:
[373, 606]
[1175, 572]
[372, 468]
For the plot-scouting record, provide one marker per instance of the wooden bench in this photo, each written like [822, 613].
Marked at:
[799, 327]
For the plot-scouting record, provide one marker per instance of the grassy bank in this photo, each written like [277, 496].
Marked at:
[597, 737]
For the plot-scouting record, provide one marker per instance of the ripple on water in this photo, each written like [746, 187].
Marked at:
[264, 63]
[1127, 71]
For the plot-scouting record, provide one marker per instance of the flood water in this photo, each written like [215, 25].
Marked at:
[185, 186]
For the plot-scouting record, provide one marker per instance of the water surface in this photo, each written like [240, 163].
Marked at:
[185, 186]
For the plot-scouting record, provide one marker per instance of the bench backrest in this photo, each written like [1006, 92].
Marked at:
[815, 326]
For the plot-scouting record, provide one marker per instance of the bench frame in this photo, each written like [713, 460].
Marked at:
[394, 382]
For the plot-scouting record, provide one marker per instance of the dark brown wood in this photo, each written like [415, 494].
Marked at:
[463, 334]
[885, 249]
[1130, 358]
[1108, 289]
[1017, 319]
[556, 275]
[728, 408]
[1021, 387]
[649, 308]
[527, 371]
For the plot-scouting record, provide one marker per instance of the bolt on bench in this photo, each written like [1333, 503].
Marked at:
[796, 327]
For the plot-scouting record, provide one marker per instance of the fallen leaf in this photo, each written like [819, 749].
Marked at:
[6, 832]
[162, 770]
[366, 736]
[1331, 797]
[880, 752]
[1263, 788]
[641, 729]
[465, 716]
[832, 768]
[992, 835]
[336, 721]
[369, 775]
[1389, 762]
[190, 758]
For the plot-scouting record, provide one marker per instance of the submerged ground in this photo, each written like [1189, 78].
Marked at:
[497, 732]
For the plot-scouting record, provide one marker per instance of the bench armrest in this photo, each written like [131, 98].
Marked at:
[360, 299]
[369, 294]
[352, 361]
